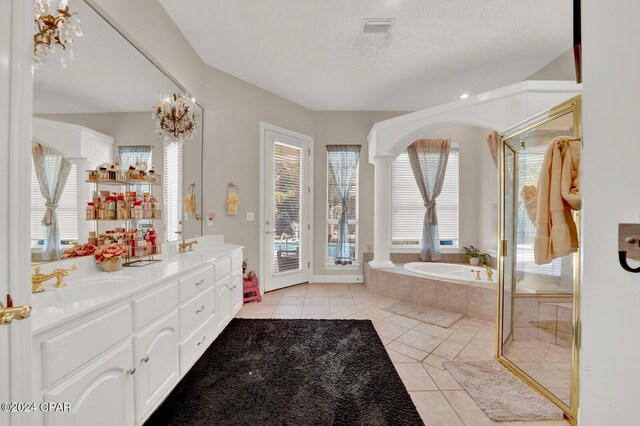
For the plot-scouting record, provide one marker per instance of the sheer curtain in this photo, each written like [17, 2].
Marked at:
[492, 143]
[130, 154]
[52, 171]
[428, 158]
[343, 164]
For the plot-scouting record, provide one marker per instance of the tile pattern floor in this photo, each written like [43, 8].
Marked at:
[417, 349]
[547, 363]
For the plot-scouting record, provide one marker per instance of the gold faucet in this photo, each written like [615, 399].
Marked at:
[8, 314]
[38, 278]
[489, 273]
[182, 247]
[477, 271]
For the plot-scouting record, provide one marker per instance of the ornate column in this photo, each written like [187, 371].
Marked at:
[382, 213]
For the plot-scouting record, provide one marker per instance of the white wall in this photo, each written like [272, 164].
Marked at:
[609, 360]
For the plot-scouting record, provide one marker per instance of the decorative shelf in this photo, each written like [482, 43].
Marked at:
[122, 177]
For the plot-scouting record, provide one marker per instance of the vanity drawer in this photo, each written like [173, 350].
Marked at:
[66, 352]
[195, 282]
[236, 263]
[151, 306]
[195, 345]
[194, 311]
[223, 268]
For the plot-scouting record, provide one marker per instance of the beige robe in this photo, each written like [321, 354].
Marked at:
[556, 233]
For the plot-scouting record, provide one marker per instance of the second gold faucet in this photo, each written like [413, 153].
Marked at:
[184, 245]
[38, 278]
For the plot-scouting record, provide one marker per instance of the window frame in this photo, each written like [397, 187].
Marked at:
[330, 261]
[415, 248]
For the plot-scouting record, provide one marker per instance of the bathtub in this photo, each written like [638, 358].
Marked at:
[452, 272]
[448, 286]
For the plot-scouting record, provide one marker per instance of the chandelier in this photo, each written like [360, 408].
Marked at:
[175, 117]
[54, 27]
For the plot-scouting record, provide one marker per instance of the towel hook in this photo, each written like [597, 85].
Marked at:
[232, 188]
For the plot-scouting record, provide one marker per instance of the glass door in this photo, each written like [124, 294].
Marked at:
[287, 194]
[540, 245]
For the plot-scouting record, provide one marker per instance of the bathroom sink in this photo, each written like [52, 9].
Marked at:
[90, 289]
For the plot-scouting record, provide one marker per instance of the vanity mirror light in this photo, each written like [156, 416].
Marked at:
[99, 110]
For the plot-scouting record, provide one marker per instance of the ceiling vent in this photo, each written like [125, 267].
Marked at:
[378, 25]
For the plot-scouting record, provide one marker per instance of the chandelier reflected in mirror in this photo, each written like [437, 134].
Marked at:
[55, 26]
[175, 117]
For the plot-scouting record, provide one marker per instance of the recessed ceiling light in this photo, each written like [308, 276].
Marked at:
[378, 25]
[464, 96]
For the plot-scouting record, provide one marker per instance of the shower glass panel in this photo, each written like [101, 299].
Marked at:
[508, 213]
[538, 299]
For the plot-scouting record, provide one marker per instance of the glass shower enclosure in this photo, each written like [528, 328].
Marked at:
[538, 294]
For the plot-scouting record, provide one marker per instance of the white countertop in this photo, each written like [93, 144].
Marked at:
[89, 289]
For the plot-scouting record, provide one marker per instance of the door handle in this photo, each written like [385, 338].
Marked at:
[145, 359]
[7, 315]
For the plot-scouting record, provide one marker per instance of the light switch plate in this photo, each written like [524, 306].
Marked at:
[250, 217]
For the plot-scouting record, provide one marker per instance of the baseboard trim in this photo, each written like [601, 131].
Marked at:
[337, 279]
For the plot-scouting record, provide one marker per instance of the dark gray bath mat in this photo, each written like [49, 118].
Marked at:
[500, 394]
[291, 372]
[422, 313]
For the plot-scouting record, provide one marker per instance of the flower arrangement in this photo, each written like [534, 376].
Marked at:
[110, 255]
[79, 251]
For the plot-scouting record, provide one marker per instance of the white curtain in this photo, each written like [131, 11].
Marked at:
[130, 154]
[428, 158]
[492, 144]
[52, 171]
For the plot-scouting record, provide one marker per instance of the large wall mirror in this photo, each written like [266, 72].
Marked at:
[98, 111]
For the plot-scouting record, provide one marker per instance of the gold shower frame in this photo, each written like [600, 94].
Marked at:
[572, 105]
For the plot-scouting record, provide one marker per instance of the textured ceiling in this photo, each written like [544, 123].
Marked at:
[107, 75]
[314, 52]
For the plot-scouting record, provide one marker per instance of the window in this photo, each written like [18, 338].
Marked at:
[529, 166]
[172, 191]
[131, 155]
[67, 210]
[346, 170]
[408, 208]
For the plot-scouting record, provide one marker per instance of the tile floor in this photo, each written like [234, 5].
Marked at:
[417, 349]
[548, 364]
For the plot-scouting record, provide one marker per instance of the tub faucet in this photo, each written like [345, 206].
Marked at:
[489, 273]
[477, 271]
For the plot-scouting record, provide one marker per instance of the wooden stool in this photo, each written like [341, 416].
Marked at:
[251, 289]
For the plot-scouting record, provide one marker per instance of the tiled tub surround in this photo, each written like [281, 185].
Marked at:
[548, 319]
[473, 300]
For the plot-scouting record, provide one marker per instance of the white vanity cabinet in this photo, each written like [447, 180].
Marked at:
[116, 362]
[101, 394]
[223, 303]
[157, 363]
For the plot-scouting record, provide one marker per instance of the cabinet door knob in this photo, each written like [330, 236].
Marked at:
[145, 359]
[200, 310]
[131, 372]
[200, 282]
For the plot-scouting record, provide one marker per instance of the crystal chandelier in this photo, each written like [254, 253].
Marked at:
[54, 27]
[175, 117]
